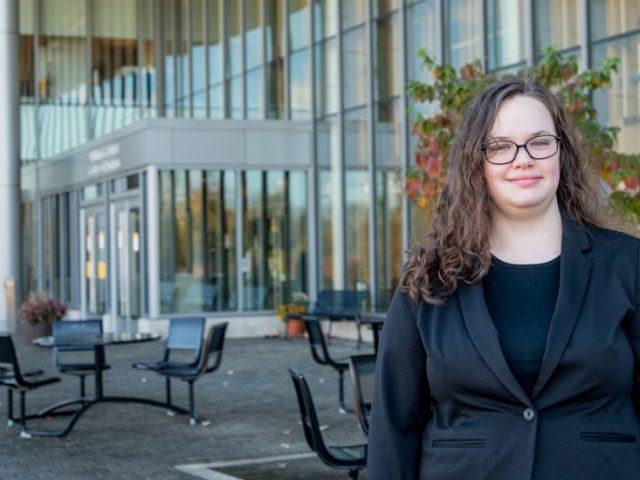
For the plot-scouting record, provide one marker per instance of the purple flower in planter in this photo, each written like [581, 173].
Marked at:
[40, 308]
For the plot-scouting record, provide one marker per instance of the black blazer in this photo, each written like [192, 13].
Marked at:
[446, 405]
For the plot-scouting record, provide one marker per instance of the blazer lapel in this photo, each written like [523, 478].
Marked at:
[575, 269]
[484, 336]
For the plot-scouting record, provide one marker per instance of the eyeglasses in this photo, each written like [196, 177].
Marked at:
[506, 151]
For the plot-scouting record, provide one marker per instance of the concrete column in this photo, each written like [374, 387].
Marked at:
[9, 164]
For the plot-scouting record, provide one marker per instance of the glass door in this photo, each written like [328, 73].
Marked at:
[126, 262]
[94, 255]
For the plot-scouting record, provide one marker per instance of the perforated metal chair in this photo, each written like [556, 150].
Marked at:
[320, 353]
[183, 349]
[349, 457]
[69, 360]
[362, 369]
[210, 361]
[12, 377]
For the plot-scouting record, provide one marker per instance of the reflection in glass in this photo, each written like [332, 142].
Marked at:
[421, 34]
[197, 238]
[388, 134]
[390, 247]
[114, 66]
[619, 105]
[298, 24]
[27, 72]
[275, 51]
[330, 229]
[275, 80]
[234, 98]
[353, 13]
[355, 68]
[384, 6]
[505, 35]
[463, 31]
[170, 53]
[234, 84]
[198, 53]
[95, 255]
[252, 33]
[613, 17]
[358, 199]
[300, 85]
[327, 79]
[29, 256]
[326, 18]
[255, 94]
[148, 87]
[557, 22]
[274, 243]
[214, 51]
[387, 82]
[62, 85]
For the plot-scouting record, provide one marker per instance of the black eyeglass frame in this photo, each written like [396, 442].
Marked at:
[484, 146]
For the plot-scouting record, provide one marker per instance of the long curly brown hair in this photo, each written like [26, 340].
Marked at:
[457, 248]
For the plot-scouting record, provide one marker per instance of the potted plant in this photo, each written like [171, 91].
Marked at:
[38, 313]
[297, 305]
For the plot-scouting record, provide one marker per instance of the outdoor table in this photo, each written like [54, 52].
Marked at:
[375, 320]
[98, 343]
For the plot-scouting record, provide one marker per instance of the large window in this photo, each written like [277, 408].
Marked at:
[114, 66]
[557, 22]
[62, 78]
[619, 105]
[357, 199]
[613, 17]
[463, 37]
[275, 51]
[299, 59]
[274, 237]
[505, 34]
[253, 34]
[197, 238]
[216, 82]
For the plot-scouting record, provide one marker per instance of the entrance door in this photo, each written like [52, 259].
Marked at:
[126, 262]
[94, 256]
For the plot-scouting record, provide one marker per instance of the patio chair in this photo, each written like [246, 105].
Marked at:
[362, 369]
[320, 354]
[66, 359]
[183, 348]
[13, 378]
[184, 340]
[350, 457]
[210, 361]
[337, 306]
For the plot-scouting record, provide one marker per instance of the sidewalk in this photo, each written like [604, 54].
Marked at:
[248, 411]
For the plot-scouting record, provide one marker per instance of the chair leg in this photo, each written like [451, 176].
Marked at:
[353, 473]
[358, 325]
[23, 416]
[343, 408]
[82, 390]
[10, 419]
[192, 407]
[167, 388]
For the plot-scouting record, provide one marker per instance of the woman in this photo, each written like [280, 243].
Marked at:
[512, 347]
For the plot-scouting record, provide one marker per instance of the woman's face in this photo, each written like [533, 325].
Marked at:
[524, 187]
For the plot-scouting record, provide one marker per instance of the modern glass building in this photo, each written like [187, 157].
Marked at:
[215, 156]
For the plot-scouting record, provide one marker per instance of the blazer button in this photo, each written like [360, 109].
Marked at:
[529, 414]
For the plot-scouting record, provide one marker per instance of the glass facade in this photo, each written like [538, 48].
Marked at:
[237, 237]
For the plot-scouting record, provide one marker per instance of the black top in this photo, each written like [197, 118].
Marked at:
[521, 300]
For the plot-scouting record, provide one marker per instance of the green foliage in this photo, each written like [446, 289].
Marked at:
[452, 91]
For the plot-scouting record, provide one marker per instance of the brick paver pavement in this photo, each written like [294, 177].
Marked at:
[248, 410]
